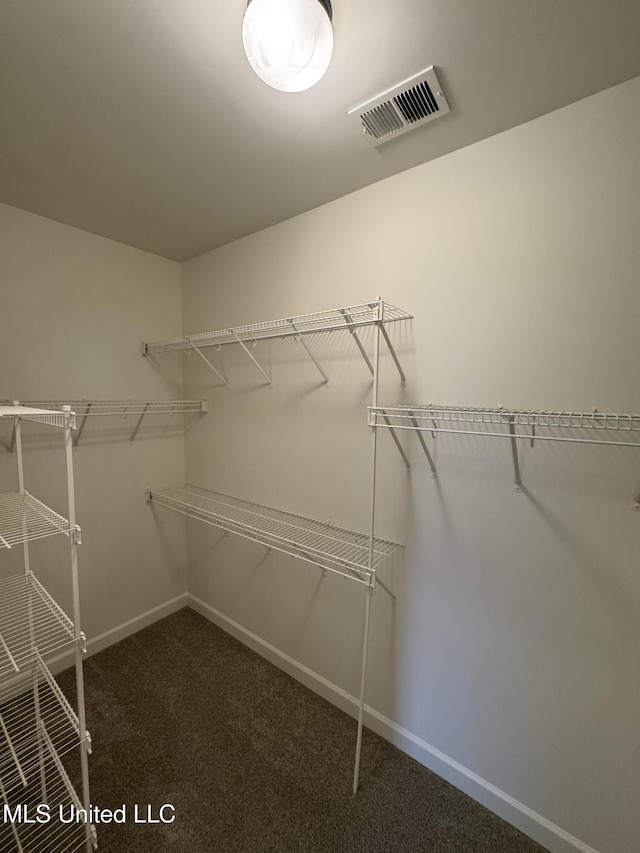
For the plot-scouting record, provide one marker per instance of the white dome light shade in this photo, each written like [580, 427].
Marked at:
[288, 42]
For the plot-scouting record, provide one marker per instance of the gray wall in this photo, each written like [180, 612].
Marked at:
[510, 660]
[73, 310]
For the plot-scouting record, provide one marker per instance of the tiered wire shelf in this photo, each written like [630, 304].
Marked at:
[331, 548]
[32, 707]
[61, 800]
[351, 318]
[602, 428]
[24, 518]
[37, 723]
[30, 618]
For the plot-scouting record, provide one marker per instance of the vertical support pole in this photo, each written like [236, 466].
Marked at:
[365, 637]
[73, 548]
[514, 453]
[27, 573]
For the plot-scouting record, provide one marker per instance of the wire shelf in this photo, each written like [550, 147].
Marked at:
[93, 408]
[24, 518]
[29, 618]
[51, 787]
[333, 548]
[39, 415]
[303, 324]
[32, 707]
[437, 419]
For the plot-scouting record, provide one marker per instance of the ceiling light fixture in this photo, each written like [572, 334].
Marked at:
[288, 43]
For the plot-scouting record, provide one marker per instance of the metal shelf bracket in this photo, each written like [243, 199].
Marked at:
[252, 357]
[299, 338]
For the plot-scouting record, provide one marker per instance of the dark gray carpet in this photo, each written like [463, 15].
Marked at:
[182, 713]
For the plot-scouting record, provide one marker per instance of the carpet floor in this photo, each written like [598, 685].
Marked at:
[182, 713]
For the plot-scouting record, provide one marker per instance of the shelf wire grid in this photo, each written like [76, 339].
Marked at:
[336, 549]
[50, 786]
[29, 617]
[39, 415]
[336, 319]
[24, 518]
[436, 419]
[93, 408]
[33, 709]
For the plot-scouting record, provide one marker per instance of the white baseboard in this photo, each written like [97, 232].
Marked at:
[120, 632]
[537, 827]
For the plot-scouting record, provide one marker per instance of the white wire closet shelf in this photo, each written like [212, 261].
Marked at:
[39, 415]
[30, 618]
[32, 707]
[124, 408]
[429, 417]
[353, 317]
[333, 548]
[337, 319]
[617, 429]
[24, 518]
[51, 785]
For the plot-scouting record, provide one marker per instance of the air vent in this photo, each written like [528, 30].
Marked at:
[404, 107]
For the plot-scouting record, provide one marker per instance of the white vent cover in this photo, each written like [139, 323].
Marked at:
[404, 107]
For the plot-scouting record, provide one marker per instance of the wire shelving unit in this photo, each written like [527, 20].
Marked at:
[357, 556]
[37, 723]
[601, 428]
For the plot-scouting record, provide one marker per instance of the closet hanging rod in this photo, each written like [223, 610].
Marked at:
[332, 548]
[338, 319]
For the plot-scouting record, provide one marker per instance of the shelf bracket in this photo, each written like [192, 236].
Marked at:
[403, 378]
[348, 320]
[206, 361]
[424, 444]
[137, 426]
[514, 453]
[82, 424]
[309, 353]
[394, 436]
[12, 443]
[252, 357]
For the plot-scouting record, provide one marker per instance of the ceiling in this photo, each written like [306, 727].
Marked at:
[141, 120]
